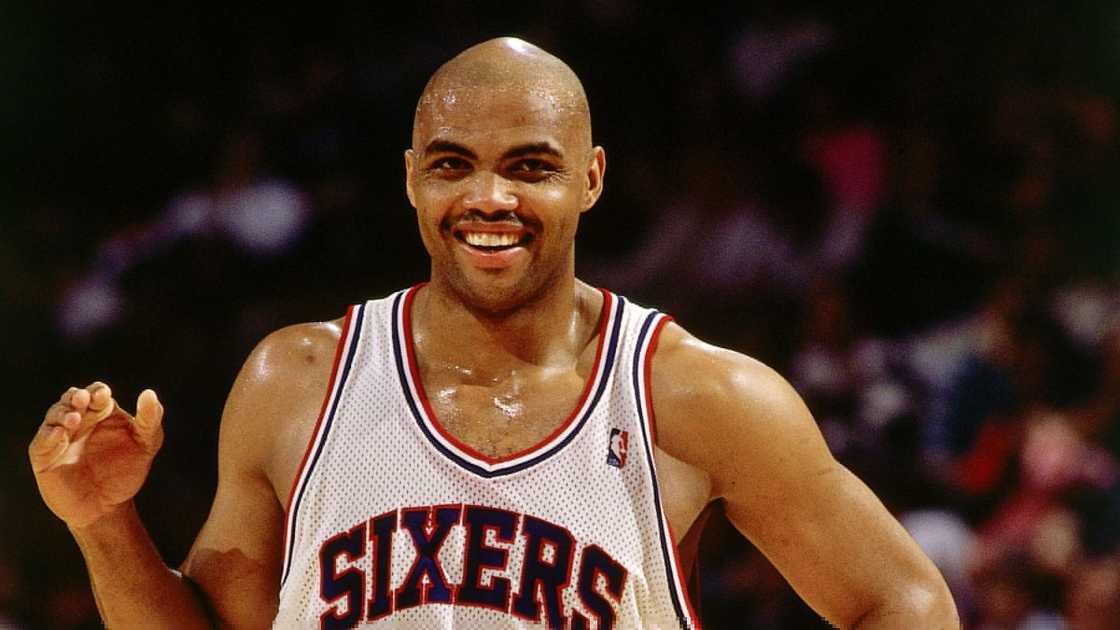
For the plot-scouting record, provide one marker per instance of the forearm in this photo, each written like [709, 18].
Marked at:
[132, 585]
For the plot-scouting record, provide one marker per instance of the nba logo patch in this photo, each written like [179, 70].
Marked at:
[616, 448]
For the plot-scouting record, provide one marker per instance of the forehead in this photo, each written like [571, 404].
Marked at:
[494, 113]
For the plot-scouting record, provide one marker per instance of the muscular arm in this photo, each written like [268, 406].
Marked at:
[831, 538]
[236, 559]
[231, 576]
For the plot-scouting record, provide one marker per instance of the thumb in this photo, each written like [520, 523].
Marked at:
[149, 414]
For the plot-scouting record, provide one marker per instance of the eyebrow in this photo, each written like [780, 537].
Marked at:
[446, 146]
[531, 148]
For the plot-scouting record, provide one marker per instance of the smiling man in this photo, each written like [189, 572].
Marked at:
[503, 446]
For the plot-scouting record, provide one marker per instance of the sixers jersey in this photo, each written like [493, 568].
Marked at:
[394, 522]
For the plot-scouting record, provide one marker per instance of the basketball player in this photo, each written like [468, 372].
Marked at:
[502, 446]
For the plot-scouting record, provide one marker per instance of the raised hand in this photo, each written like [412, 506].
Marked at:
[89, 456]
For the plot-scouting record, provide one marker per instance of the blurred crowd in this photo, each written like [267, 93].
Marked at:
[913, 214]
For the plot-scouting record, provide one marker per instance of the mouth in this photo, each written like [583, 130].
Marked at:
[493, 247]
[491, 240]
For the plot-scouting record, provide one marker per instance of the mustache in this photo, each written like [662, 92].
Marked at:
[477, 216]
[504, 217]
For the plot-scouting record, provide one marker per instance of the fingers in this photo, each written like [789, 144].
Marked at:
[77, 411]
[79, 408]
[76, 397]
[95, 398]
[53, 437]
[100, 396]
[62, 415]
[90, 405]
[73, 402]
[47, 446]
[148, 423]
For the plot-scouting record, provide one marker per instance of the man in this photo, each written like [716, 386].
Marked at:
[501, 446]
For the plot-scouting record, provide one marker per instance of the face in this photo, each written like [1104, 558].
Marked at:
[499, 179]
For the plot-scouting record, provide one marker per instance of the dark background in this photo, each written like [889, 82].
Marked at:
[911, 213]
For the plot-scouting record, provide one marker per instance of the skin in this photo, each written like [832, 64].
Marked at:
[501, 144]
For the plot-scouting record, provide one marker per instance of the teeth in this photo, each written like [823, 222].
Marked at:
[489, 239]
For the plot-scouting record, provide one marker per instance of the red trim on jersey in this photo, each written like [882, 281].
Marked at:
[648, 402]
[654, 337]
[315, 432]
[604, 317]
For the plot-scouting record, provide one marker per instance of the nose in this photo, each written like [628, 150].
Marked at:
[488, 193]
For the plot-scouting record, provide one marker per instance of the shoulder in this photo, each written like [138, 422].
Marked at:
[713, 406]
[690, 373]
[277, 394]
[293, 351]
[282, 363]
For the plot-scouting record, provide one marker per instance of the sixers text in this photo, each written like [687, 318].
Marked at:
[545, 568]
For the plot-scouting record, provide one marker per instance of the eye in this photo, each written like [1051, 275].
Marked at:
[532, 169]
[450, 164]
[448, 167]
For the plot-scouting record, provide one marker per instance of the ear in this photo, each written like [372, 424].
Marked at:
[596, 169]
[409, 170]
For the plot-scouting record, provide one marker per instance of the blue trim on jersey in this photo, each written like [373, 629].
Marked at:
[666, 552]
[610, 346]
[357, 320]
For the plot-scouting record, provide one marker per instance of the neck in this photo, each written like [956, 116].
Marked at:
[550, 331]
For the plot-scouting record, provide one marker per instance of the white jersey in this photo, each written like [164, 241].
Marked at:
[394, 522]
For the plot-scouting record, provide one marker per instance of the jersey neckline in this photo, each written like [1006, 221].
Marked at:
[465, 456]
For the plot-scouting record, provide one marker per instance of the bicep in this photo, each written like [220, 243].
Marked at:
[235, 561]
[822, 527]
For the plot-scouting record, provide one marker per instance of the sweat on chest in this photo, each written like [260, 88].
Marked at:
[507, 416]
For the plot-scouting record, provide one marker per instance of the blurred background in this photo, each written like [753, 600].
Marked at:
[914, 214]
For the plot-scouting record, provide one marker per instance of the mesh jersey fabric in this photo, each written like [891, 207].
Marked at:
[394, 522]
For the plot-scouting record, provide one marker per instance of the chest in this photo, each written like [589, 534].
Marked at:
[499, 416]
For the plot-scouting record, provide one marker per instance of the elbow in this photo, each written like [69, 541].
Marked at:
[938, 609]
[924, 605]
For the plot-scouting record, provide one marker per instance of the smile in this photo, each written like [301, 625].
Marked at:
[492, 241]
[493, 248]
[489, 240]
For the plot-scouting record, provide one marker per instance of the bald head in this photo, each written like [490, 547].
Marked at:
[507, 68]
